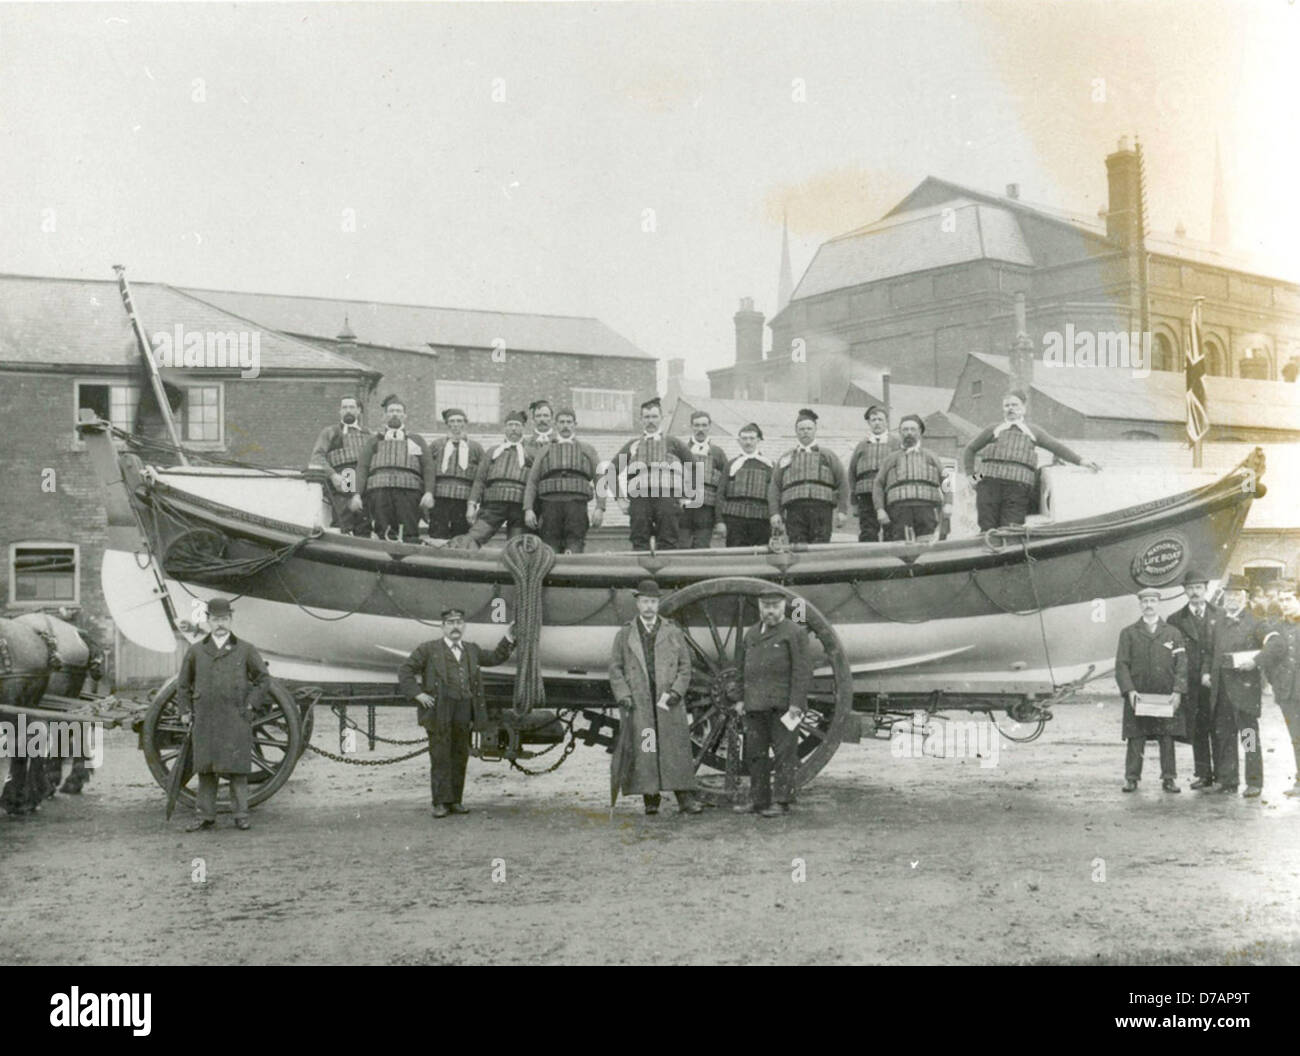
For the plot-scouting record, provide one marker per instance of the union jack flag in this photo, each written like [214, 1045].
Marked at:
[1198, 417]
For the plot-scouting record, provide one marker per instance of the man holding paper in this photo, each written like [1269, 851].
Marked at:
[777, 675]
[1151, 669]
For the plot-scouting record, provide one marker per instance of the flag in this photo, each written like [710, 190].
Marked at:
[1198, 416]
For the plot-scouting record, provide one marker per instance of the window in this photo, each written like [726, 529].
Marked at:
[481, 401]
[976, 389]
[201, 414]
[43, 573]
[1255, 364]
[114, 402]
[603, 408]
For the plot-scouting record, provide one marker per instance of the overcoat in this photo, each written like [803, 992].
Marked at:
[663, 738]
[777, 671]
[1244, 634]
[223, 688]
[1155, 665]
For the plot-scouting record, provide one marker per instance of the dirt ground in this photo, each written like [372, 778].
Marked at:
[891, 860]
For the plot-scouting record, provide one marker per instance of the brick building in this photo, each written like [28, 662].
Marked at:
[486, 363]
[67, 344]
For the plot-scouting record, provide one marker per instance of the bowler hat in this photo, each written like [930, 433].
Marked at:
[1195, 575]
[220, 607]
[1237, 581]
[647, 588]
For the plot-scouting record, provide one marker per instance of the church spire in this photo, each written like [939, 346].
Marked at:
[1219, 234]
[785, 282]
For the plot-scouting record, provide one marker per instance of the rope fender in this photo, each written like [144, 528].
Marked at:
[529, 561]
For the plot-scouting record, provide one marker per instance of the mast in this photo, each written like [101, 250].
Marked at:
[155, 379]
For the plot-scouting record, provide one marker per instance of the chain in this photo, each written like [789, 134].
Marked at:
[569, 746]
[367, 762]
[350, 723]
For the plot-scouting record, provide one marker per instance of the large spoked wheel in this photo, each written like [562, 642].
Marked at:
[277, 744]
[715, 615]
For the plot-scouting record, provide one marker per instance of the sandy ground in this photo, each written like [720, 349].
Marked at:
[887, 860]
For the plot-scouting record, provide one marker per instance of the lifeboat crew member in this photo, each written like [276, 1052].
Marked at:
[1196, 621]
[908, 489]
[395, 474]
[442, 677]
[863, 466]
[455, 460]
[808, 489]
[1009, 460]
[563, 479]
[650, 481]
[1151, 661]
[334, 458]
[497, 496]
[708, 465]
[742, 495]
[543, 429]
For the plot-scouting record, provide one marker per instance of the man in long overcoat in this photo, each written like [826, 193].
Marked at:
[442, 677]
[1196, 620]
[649, 672]
[222, 683]
[1151, 662]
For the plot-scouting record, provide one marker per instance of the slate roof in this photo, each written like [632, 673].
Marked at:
[924, 400]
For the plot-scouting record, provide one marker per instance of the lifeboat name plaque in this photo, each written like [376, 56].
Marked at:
[1161, 562]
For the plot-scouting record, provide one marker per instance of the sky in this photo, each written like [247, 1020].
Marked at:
[631, 162]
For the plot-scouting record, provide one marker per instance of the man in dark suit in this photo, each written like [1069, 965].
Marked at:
[1196, 621]
[1151, 667]
[442, 677]
[776, 678]
[1242, 647]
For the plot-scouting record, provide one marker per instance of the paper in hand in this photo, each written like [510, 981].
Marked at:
[662, 702]
[790, 722]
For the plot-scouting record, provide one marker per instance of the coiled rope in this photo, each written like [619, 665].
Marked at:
[528, 560]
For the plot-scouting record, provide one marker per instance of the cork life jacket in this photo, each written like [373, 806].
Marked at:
[913, 478]
[807, 476]
[453, 482]
[747, 491]
[867, 464]
[343, 456]
[567, 472]
[506, 478]
[1012, 456]
[658, 469]
[707, 475]
[396, 464]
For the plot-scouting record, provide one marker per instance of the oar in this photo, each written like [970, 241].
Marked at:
[177, 778]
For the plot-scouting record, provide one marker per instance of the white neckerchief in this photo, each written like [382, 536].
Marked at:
[564, 439]
[394, 434]
[700, 447]
[807, 449]
[462, 460]
[878, 438]
[739, 461]
[998, 430]
[345, 428]
[505, 445]
[546, 437]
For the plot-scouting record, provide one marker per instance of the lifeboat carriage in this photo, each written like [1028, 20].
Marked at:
[1013, 620]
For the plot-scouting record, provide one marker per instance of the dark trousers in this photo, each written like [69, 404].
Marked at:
[347, 520]
[564, 525]
[748, 531]
[919, 516]
[657, 517]
[207, 795]
[868, 524]
[695, 527]
[765, 734]
[1201, 734]
[808, 521]
[1291, 713]
[394, 508]
[492, 515]
[448, 756]
[447, 518]
[999, 503]
[653, 799]
[1137, 748]
[1229, 727]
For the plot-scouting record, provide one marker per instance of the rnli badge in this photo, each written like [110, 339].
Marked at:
[1161, 562]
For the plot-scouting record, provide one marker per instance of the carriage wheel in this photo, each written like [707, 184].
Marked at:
[715, 615]
[277, 744]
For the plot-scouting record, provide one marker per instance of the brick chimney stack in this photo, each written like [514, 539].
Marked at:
[749, 333]
[1022, 351]
[1122, 182]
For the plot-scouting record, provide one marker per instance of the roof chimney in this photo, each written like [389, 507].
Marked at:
[1122, 180]
[346, 336]
[1013, 190]
[1021, 359]
[884, 395]
[749, 332]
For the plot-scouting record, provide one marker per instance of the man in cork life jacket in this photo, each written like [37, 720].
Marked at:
[497, 496]
[743, 493]
[334, 460]
[563, 482]
[808, 492]
[650, 481]
[543, 428]
[908, 489]
[456, 460]
[864, 464]
[708, 465]
[395, 475]
[1009, 460]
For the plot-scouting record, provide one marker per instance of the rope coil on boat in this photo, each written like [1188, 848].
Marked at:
[528, 560]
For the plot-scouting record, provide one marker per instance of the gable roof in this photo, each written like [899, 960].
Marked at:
[83, 323]
[1161, 396]
[413, 328]
[903, 399]
[775, 418]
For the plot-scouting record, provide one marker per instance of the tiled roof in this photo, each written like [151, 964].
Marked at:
[82, 322]
[1161, 396]
[413, 328]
